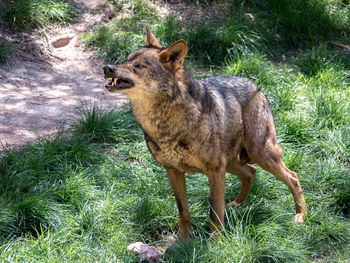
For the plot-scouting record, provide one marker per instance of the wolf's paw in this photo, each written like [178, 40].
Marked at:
[185, 231]
[299, 218]
[234, 203]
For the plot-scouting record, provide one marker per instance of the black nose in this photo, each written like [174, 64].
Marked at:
[108, 69]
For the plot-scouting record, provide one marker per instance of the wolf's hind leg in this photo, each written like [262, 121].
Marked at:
[260, 142]
[246, 173]
[270, 159]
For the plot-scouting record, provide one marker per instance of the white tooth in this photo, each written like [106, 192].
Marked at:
[108, 81]
[115, 81]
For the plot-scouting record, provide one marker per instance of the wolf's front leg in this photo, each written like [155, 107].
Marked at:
[217, 199]
[178, 184]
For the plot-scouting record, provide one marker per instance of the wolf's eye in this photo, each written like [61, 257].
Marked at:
[139, 66]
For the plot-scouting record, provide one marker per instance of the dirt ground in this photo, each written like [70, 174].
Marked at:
[42, 86]
[40, 89]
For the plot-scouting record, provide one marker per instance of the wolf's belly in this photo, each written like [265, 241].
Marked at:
[183, 162]
[177, 156]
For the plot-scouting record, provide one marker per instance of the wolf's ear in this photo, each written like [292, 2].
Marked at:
[151, 40]
[175, 54]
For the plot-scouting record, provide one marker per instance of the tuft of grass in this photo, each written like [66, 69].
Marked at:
[99, 125]
[6, 50]
[168, 30]
[327, 108]
[301, 21]
[30, 14]
[120, 37]
[209, 43]
[311, 61]
[298, 24]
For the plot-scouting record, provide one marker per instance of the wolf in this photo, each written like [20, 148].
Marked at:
[218, 125]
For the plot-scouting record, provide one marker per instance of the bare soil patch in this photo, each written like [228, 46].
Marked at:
[53, 73]
[186, 11]
[42, 86]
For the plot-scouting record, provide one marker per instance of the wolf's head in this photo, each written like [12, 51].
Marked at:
[152, 69]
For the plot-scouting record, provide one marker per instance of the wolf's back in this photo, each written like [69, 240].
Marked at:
[242, 89]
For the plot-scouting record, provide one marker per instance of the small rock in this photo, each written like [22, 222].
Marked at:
[145, 252]
[77, 43]
[61, 41]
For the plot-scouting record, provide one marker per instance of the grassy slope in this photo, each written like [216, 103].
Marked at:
[6, 50]
[26, 15]
[84, 197]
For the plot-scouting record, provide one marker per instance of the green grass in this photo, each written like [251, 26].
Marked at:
[272, 28]
[6, 50]
[300, 23]
[308, 20]
[316, 58]
[26, 15]
[112, 41]
[209, 43]
[84, 194]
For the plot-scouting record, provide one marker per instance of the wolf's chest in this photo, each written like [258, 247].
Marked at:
[175, 154]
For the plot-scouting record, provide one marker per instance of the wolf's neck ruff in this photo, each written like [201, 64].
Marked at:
[178, 106]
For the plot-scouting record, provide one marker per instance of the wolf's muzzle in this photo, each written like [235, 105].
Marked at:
[109, 69]
[117, 78]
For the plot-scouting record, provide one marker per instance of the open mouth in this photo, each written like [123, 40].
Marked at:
[118, 83]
